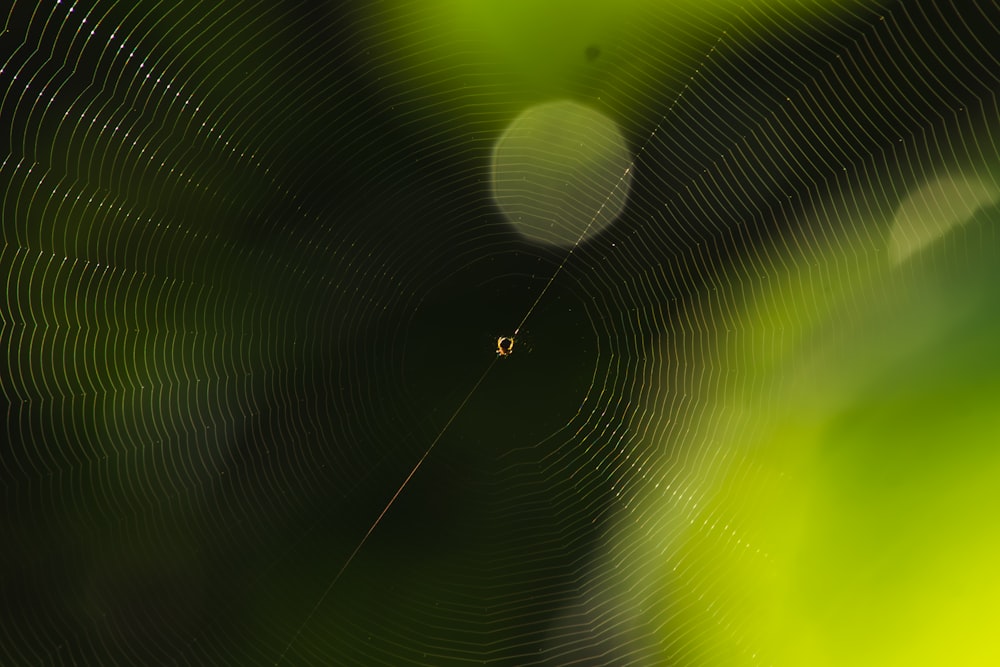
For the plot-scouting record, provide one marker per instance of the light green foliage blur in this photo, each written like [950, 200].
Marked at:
[837, 496]
[482, 58]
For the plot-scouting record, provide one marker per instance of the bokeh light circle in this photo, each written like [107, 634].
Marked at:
[561, 173]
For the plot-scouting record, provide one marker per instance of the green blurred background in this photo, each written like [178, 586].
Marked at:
[253, 272]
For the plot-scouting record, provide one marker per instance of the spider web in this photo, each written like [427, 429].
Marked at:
[252, 269]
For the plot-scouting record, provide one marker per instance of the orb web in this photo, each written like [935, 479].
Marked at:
[253, 267]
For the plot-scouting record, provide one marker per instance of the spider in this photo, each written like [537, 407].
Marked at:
[505, 345]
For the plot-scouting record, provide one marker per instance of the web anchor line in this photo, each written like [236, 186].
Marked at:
[475, 387]
[371, 529]
[575, 245]
[621, 179]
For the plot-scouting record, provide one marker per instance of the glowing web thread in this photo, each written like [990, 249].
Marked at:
[489, 367]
